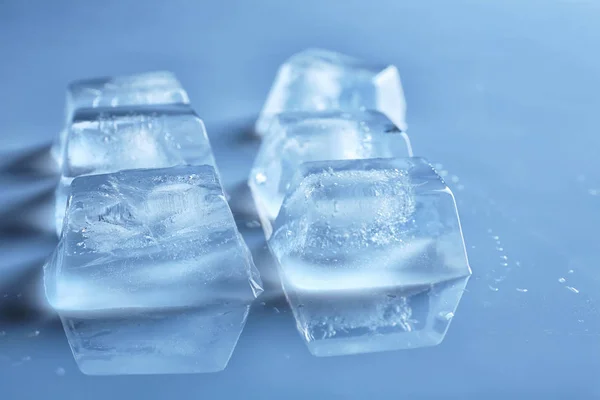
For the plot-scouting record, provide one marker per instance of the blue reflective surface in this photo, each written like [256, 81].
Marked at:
[503, 95]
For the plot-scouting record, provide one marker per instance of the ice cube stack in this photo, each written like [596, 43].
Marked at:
[151, 274]
[149, 253]
[366, 237]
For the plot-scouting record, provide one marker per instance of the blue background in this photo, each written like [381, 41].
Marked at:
[503, 94]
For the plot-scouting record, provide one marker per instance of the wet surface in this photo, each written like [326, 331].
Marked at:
[507, 113]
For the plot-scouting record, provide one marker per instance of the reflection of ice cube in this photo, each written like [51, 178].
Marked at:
[320, 80]
[108, 140]
[371, 254]
[186, 340]
[150, 88]
[147, 239]
[295, 138]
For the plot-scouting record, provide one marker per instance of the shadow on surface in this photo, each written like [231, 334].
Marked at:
[35, 162]
[28, 179]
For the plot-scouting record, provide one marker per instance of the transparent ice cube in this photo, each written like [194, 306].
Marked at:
[151, 274]
[371, 255]
[149, 88]
[105, 140]
[155, 342]
[144, 239]
[320, 80]
[157, 87]
[298, 137]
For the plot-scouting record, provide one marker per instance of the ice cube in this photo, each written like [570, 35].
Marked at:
[319, 80]
[149, 239]
[371, 254]
[157, 87]
[298, 137]
[149, 88]
[151, 274]
[108, 140]
[155, 342]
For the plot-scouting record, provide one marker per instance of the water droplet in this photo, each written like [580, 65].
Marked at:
[496, 237]
[562, 280]
[493, 289]
[276, 310]
[2, 333]
[572, 289]
[454, 179]
[60, 371]
[447, 316]
[594, 192]
[522, 290]
[260, 178]
[34, 334]
[571, 271]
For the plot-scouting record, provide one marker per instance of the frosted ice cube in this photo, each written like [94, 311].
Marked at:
[371, 255]
[149, 239]
[108, 140]
[298, 137]
[319, 80]
[155, 342]
[149, 88]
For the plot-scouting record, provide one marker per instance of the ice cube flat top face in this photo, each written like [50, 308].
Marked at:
[159, 87]
[109, 140]
[149, 238]
[370, 247]
[299, 137]
[319, 80]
